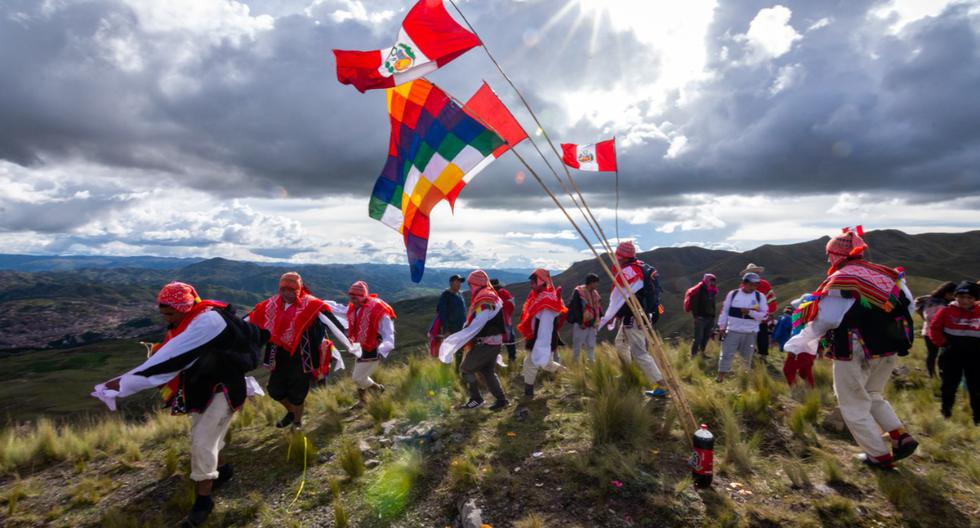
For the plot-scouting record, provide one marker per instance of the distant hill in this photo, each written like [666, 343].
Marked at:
[45, 309]
[793, 269]
[76, 262]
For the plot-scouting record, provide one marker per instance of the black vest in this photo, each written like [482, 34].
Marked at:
[494, 326]
[878, 332]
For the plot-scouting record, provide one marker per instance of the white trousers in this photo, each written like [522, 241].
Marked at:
[530, 371]
[859, 384]
[208, 431]
[631, 346]
[362, 373]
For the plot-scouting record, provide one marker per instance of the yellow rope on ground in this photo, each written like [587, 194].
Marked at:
[302, 482]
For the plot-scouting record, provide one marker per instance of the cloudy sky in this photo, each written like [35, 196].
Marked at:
[217, 127]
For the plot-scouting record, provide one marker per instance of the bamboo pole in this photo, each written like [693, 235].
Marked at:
[654, 343]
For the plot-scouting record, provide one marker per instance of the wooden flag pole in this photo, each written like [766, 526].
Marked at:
[654, 343]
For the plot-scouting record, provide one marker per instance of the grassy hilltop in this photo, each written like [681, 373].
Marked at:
[588, 451]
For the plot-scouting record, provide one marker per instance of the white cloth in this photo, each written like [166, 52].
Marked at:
[829, 315]
[340, 336]
[755, 302]
[541, 353]
[458, 340]
[208, 430]
[339, 311]
[616, 302]
[860, 385]
[387, 329]
[205, 327]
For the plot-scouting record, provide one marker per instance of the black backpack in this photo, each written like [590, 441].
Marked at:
[248, 342]
[650, 294]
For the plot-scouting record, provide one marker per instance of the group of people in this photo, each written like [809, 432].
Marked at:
[860, 317]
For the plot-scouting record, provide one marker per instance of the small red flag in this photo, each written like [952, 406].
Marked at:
[599, 157]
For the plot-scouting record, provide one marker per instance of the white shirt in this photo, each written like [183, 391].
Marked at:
[617, 300]
[458, 340]
[201, 330]
[387, 329]
[755, 302]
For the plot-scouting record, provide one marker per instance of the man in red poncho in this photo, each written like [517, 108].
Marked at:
[198, 369]
[299, 351]
[864, 312]
[631, 340]
[370, 324]
[482, 336]
[541, 317]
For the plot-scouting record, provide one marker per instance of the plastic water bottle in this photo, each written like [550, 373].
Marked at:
[703, 457]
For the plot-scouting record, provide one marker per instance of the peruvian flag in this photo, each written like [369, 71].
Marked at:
[429, 38]
[600, 157]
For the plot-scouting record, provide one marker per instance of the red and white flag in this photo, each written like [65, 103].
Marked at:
[599, 157]
[429, 38]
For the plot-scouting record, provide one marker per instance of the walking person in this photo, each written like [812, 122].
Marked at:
[956, 330]
[765, 326]
[584, 313]
[741, 314]
[631, 341]
[863, 311]
[481, 338]
[299, 352]
[699, 300]
[201, 364]
[927, 306]
[370, 325]
[450, 315]
[541, 318]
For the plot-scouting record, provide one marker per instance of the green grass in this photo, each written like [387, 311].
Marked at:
[390, 492]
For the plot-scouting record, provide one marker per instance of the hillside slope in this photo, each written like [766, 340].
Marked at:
[587, 452]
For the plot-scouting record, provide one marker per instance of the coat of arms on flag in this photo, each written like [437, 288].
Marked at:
[599, 157]
[429, 38]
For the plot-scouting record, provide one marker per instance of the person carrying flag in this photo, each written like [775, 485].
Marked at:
[631, 341]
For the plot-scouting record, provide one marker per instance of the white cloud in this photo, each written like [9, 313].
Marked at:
[787, 77]
[770, 34]
[904, 12]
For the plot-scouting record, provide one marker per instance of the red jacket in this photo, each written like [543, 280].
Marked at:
[508, 300]
[956, 327]
[766, 289]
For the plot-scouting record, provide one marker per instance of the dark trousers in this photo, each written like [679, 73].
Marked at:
[953, 364]
[702, 334]
[762, 339]
[511, 345]
[482, 360]
[932, 353]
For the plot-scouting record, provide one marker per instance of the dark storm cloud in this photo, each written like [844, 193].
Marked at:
[264, 116]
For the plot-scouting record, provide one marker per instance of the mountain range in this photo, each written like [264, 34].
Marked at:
[112, 299]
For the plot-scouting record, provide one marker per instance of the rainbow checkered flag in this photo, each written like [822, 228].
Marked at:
[436, 148]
